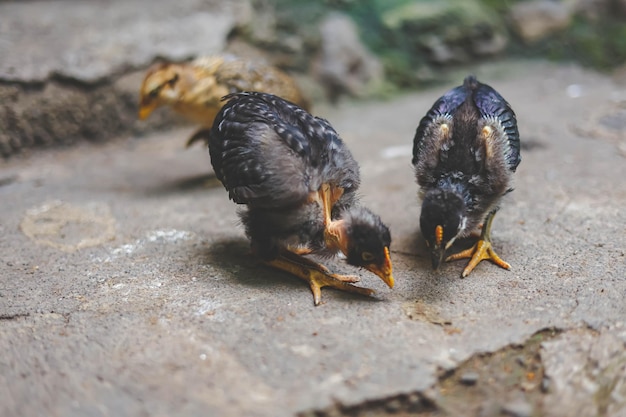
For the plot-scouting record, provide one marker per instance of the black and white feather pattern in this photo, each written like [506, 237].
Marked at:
[468, 144]
[492, 107]
[273, 157]
[270, 153]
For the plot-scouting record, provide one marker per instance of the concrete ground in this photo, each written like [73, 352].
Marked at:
[126, 287]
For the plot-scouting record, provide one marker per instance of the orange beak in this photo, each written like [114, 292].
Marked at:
[383, 271]
[145, 110]
[438, 235]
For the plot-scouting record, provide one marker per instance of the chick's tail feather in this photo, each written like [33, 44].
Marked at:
[470, 82]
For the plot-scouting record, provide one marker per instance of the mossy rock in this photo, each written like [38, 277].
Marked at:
[454, 23]
[427, 13]
[415, 38]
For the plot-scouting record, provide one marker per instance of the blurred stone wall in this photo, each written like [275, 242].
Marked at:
[73, 71]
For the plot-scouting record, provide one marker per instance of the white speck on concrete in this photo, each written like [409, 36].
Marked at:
[305, 351]
[172, 235]
[518, 408]
[124, 249]
[207, 306]
[444, 360]
[574, 91]
[332, 380]
[332, 320]
[212, 310]
[169, 236]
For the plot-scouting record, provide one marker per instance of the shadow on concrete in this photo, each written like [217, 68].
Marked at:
[193, 183]
[233, 258]
[530, 144]
[412, 261]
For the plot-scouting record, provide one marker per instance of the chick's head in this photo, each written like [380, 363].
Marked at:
[367, 243]
[161, 86]
[442, 220]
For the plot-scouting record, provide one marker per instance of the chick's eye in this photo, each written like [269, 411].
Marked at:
[154, 93]
[173, 80]
[367, 256]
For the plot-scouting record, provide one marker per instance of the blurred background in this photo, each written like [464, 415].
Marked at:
[71, 70]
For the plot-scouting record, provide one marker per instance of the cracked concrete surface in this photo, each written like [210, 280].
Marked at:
[587, 372]
[170, 316]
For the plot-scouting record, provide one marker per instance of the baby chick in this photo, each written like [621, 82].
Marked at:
[195, 89]
[298, 182]
[465, 152]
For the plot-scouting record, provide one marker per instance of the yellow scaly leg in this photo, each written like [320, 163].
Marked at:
[318, 276]
[481, 250]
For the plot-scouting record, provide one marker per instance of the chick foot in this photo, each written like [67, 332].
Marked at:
[483, 249]
[480, 251]
[318, 276]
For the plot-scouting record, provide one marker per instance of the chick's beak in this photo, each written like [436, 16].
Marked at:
[438, 248]
[436, 256]
[145, 110]
[383, 270]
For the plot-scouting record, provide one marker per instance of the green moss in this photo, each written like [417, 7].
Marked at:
[500, 6]
[398, 31]
[442, 13]
[597, 44]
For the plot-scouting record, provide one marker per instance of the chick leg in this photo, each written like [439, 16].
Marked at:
[333, 229]
[200, 135]
[481, 250]
[316, 275]
[296, 257]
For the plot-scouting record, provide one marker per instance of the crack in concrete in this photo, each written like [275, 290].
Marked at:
[482, 383]
[513, 380]
[13, 316]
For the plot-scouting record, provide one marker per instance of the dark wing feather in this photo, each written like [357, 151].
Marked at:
[256, 156]
[492, 105]
[445, 106]
[268, 152]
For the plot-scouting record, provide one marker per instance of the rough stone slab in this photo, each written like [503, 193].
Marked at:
[65, 38]
[587, 372]
[534, 20]
[170, 316]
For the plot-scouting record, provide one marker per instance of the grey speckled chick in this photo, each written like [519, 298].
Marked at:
[465, 152]
[299, 182]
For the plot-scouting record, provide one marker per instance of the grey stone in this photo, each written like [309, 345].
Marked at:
[587, 372]
[534, 20]
[469, 378]
[518, 408]
[345, 64]
[64, 38]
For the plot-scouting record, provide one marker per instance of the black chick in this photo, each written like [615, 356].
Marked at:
[299, 182]
[465, 152]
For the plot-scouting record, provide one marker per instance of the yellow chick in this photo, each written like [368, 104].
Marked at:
[195, 89]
